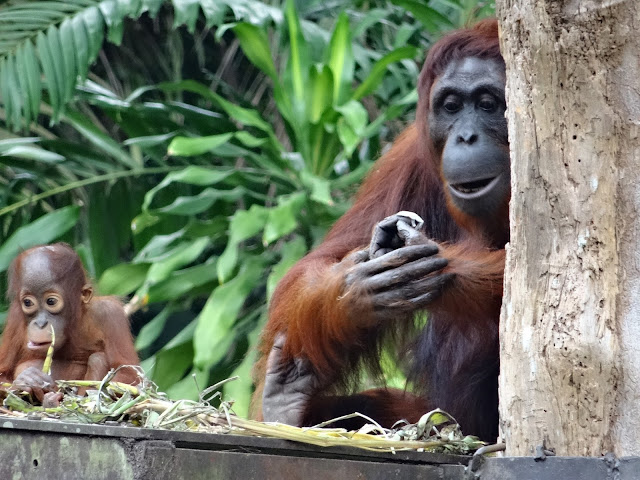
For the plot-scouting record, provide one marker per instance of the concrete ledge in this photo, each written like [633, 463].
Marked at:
[41, 449]
[32, 449]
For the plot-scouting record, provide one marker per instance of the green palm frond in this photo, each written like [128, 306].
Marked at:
[54, 41]
[49, 45]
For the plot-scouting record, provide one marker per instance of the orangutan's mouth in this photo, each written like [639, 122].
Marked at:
[474, 189]
[38, 345]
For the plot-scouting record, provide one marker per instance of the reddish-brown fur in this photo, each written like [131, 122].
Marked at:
[454, 361]
[100, 325]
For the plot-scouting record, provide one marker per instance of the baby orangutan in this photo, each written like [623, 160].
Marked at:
[48, 288]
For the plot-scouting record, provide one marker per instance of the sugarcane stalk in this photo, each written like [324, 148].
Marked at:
[46, 368]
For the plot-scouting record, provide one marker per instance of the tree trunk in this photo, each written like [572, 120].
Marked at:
[570, 323]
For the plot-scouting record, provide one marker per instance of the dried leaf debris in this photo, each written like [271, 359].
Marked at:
[144, 406]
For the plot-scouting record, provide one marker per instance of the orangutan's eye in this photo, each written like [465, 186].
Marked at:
[29, 304]
[54, 302]
[452, 104]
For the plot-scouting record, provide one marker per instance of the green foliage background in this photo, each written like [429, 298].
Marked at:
[192, 151]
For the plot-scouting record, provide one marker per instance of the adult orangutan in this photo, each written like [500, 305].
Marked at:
[48, 289]
[375, 270]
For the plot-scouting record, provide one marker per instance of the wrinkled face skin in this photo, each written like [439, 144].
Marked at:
[468, 127]
[42, 302]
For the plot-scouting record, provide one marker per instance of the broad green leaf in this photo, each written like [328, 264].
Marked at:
[351, 126]
[282, 219]
[182, 282]
[255, 12]
[179, 344]
[216, 321]
[143, 221]
[152, 329]
[188, 147]
[249, 140]
[355, 115]
[159, 247]
[11, 94]
[325, 147]
[321, 87]
[132, 8]
[113, 16]
[9, 143]
[193, 205]
[404, 34]
[245, 116]
[348, 138]
[213, 228]
[123, 279]
[23, 86]
[151, 6]
[149, 140]
[12, 98]
[291, 99]
[379, 69]
[285, 101]
[5, 92]
[239, 391]
[255, 45]
[320, 187]
[291, 252]
[45, 229]
[93, 22]
[28, 63]
[80, 47]
[183, 254]
[214, 11]
[19, 102]
[298, 66]
[57, 56]
[171, 364]
[148, 365]
[243, 225]
[33, 153]
[49, 69]
[186, 13]
[341, 60]
[67, 49]
[193, 175]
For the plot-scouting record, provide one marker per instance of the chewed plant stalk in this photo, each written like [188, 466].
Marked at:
[46, 367]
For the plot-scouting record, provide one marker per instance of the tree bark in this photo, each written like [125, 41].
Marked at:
[570, 322]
